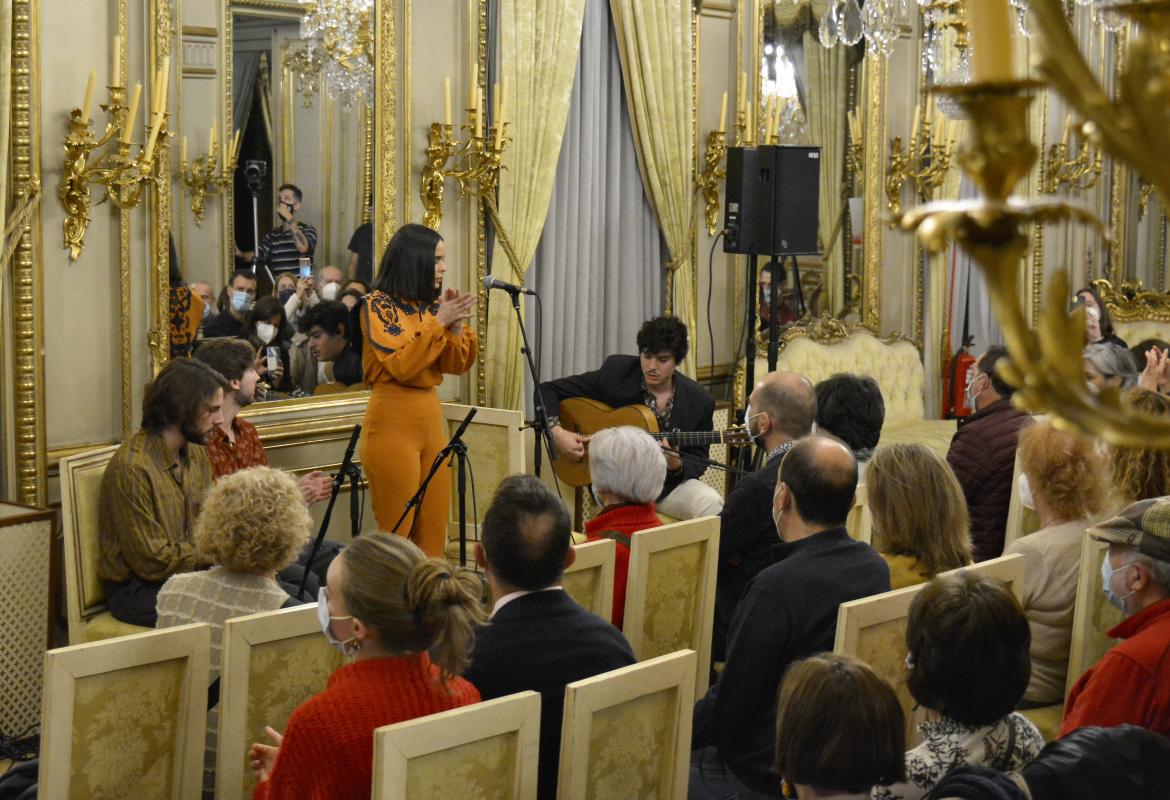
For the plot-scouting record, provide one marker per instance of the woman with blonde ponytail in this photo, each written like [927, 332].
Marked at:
[408, 623]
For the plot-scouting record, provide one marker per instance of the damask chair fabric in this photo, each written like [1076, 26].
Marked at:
[487, 750]
[627, 733]
[590, 580]
[272, 662]
[859, 523]
[85, 597]
[124, 718]
[933, 433]
[1093, 614]
[670, 592]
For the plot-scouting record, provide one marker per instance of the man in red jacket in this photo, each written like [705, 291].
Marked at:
[983, 454]
[1131, 684]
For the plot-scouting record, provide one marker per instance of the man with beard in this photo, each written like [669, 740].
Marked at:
[153, 489]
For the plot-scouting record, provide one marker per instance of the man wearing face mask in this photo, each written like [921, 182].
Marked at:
[329, 280]
[241, 296]
[203, 289]
[780, 410]
[983, 453]
[283, 247]
[788, 612]
[1131, 683]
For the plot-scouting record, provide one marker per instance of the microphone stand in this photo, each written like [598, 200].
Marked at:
[540, 422]
[457, 448]
[353, 472]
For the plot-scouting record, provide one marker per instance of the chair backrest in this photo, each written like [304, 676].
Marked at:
[272, 662]
[1009, 569]
[627, 733]
[1020, 520]
[1093, 614]
[125, 717]
[484, 750]
[81, 482]
[670, 592]
[859, 523]
[590, 580]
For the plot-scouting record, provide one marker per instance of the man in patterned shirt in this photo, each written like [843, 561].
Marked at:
[284, 246]
[153, 489]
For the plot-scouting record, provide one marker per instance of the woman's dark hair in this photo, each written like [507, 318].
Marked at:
[179, 394]
[817, 747]
[349, 286]
[407, 269]
[176, 273]
[663, 334]
[1106, 319]
[968, 640]
[264, 309]
[851, 408]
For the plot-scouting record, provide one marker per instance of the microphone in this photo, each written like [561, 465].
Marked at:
[492, 282]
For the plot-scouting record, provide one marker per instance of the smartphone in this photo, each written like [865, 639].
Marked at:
[273, 358]
[306, 267]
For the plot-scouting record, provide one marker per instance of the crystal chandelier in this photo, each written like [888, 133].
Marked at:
[1103, 12]
[339, 36]
[847, 23]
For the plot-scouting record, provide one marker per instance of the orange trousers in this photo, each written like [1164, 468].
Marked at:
[402, 434]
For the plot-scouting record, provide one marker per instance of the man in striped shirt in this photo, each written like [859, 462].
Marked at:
[283, 247]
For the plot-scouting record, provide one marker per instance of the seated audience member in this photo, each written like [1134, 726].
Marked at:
[267, 327]
[538, 638]
[251, 526]
[1061, 478]
[1131, 683]
[407, 621]
[628, 468]
[1125, 761]
[361, 287]
[788, 612]
[1098, 322]
[816, 754]
[329, 280]
[153, 488]
[1108, 366]
[1140, 473]
[781, 409]
[919, 516]
[324, 354]
[983, 454]
[978, 783]
[968, 660]
[241, 295]
[207, 295]
[1152, 358]
[351, 297]
[294, 293]
[851, 408]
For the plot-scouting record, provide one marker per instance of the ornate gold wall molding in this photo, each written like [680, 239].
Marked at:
[477, 55]
[387, 78]
[122, 23]
[159, 12]
[875, 159]
[28, 431]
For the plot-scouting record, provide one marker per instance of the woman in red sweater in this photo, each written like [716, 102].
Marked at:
[628, 469]
[386, 605]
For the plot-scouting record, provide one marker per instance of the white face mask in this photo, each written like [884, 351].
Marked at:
[1026, 492]
[350, 646]
[329, 291]
[748, 416]
[265, 331]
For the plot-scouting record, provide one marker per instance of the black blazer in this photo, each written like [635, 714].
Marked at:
[619, 383]
[540, 642]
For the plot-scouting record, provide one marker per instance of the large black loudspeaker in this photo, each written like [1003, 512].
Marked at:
[772, 200]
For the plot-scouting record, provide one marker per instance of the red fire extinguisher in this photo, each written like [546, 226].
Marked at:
[957, 377]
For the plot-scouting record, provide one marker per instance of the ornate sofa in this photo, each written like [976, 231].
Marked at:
[1137, 313]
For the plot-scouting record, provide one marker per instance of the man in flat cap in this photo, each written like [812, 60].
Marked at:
[1131, 684]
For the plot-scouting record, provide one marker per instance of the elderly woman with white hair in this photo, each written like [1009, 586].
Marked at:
[628, 469]
[1109, 366]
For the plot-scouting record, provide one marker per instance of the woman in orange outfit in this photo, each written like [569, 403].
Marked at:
[412, 333]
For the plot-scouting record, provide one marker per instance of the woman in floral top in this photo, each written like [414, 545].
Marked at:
[968, 640]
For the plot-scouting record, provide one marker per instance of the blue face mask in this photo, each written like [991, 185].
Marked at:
[241, 302]
[285, 294]
[350, 646]
[1107, 574]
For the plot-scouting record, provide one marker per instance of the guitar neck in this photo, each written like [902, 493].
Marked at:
[683, 438]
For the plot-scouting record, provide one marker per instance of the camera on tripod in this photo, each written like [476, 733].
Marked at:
[254, 173]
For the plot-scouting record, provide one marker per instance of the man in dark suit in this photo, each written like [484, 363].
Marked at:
[538, 639]
[679, 403]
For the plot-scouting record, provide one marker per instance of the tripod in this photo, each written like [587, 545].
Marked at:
[457, 449]
[352, 472]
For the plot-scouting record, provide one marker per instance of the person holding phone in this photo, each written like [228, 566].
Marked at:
[283, 247]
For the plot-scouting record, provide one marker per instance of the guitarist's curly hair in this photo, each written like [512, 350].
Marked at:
[661, 334]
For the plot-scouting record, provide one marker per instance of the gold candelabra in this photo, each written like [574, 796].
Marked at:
[210, 173]
[707, 181]
[1076, 169]
[106, 160]
[924, 162]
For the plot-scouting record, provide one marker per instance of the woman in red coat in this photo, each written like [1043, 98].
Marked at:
[628, 469]
[385, 605]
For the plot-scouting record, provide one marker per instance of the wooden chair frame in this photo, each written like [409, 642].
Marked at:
[1081, 655]
[77, 613]
[586, 697]
[643, 547]
[1009, 569]
[859, 523]
[64, 666]
[599, 560]
[395, 745]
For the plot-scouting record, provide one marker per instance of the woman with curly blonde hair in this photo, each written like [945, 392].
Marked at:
[920, 523]
[1061, 477]
[1140, 473]
[408, 623]
[253, 523]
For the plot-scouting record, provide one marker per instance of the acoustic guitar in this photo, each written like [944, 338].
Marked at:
[586, 417]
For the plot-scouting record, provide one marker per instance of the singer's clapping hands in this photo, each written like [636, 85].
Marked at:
[455, 309]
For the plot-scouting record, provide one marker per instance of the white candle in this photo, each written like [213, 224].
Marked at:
[991, 39]
[479, 111]
[211, 139]
[723, 114]
[164, 80]
[116, 63]
[148, 153]
[183, 151]
[135, 96]
[87, 104]
[446, 101]
[741, 92]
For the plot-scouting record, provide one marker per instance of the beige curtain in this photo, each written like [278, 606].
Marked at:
[654, 39]
[825, 72]
[538, 45]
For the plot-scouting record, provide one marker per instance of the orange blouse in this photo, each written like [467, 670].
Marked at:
[405, 344]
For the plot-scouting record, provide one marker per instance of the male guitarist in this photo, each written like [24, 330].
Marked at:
[679, 403]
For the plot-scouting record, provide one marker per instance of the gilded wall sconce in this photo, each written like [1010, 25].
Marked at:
[205, 177]
[1075, 169]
